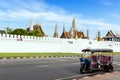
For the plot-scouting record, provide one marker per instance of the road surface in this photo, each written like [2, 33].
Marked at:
[43, 68]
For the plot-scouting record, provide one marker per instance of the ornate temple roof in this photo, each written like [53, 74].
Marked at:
[73, 33]
[112, 34]
[65, 35]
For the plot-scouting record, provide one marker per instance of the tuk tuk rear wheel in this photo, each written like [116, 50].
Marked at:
[108, 68]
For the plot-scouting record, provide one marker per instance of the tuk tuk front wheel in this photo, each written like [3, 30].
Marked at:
[83, 69]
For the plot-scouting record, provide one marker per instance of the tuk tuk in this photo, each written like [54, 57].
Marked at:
[96, 59]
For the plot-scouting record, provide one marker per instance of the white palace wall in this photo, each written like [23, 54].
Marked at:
[17, 43]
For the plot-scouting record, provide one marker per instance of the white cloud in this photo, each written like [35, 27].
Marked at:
[107, 3]
[115, 15]
[44, 12]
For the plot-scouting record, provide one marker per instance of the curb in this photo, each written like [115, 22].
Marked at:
[36, 57]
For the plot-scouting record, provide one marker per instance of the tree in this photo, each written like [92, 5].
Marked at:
[34, 33]
[20, 31]
[2, 32]
[9, 30]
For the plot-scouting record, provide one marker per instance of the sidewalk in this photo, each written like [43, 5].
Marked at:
[107, 76]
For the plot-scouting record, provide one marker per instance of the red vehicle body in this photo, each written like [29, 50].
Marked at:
[96, 59]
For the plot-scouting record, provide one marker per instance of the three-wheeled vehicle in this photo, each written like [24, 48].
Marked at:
[96, 59]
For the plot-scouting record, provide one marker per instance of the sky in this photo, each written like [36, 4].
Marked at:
[94, 15]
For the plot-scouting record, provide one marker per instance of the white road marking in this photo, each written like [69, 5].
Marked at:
[75, 63]
[71, 77]
[116, 62]
[117, 69]
[42, 66]
[63, 60]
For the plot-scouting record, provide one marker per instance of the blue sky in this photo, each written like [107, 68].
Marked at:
[94, 15]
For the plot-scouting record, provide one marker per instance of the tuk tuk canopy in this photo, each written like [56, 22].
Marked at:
[97, 50]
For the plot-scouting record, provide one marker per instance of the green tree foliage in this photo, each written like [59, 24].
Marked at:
[2, 32]
[9, 30]
[20, 31]
[34, 33]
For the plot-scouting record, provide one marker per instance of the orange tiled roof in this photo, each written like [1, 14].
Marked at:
[65, 35]
[68, 35]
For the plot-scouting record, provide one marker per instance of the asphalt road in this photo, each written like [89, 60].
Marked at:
[43, 68]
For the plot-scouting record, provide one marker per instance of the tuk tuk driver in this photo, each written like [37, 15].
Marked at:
[86, 56]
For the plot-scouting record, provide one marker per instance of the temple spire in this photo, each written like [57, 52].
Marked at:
[73, 30]
[55, 32]
[63, 27]
[73, 25]
[98, 35]
[31, 27]
[87, 34]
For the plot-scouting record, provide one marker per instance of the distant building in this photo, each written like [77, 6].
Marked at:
[65, 34]
[98, 38]
[55, 35]
[38, 28]
[35, 27]
[30, 26]
[73, 33]
[112, 36]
